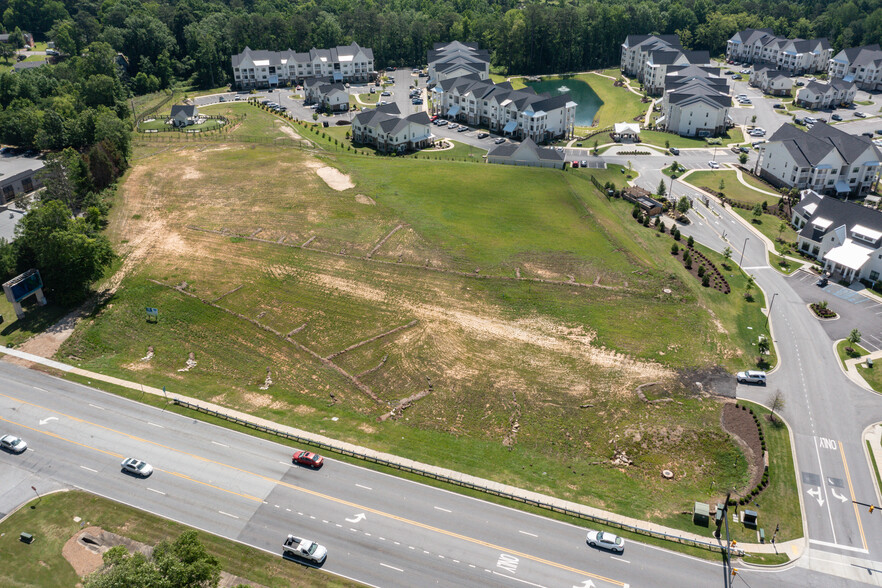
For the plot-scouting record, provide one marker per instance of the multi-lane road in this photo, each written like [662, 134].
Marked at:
[379, 529]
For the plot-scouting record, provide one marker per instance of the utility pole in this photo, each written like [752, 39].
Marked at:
[742, 251]
[728, 564]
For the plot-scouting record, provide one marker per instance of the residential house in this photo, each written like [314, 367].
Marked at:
[861, 65]
[22, 65]
[18, 175]
[823, 158]
[845, 236]
[762, 46]
[526, 153]
[183, 115]
[816, 95]
[457, 59]
[649, 57]
[771, 80]
[26, 37]
[516, 113]
[327, 94]
[268, 69]
[696, 105]
[384, 128]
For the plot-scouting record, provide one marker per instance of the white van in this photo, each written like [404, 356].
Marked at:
[752, 377]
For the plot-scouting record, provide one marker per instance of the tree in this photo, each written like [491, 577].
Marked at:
[722, 185]
[782, 226]
[683, 205]
[690, 241]
[776, 404]
[595, 151]
[662, 190]
[727, 254]
[748, 288]
[854, 337]
[757, 210]
[742, 158]
[7, 52]
[674, 249]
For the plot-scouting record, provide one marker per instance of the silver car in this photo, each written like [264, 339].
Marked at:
[137, 467]
[606, 540]
[13, 444]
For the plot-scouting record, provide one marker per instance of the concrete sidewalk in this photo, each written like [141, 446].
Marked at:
[794, 549]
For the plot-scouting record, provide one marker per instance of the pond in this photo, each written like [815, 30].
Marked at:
[582, 94]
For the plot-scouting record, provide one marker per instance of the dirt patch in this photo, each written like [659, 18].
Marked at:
[289, 131]
[362, 199]
[255, 400]
[47, 343]
[739, 423]
[333, 177]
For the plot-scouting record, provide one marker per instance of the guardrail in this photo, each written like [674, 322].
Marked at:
[463, 483]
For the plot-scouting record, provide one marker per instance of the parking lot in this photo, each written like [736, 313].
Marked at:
[855, 310]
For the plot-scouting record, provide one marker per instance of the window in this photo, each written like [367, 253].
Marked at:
[874, 276]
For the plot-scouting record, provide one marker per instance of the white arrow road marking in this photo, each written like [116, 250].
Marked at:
[357, 518]
[816, 492]
[47, 419]
[585, 584]
[839, 496]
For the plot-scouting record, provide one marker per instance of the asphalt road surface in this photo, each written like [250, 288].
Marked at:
[379, 529]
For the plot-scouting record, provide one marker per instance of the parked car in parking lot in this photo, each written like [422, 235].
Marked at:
[584, 163]
[800, 83]
[744, 149]
[674, 151]
[810, 120]
[462, 129]
[752, 377]
[861, 114]
[483, 135]
[836, 117]
[746, 70]
[879, 131]
[778, 105]
[574, 164]
[499, 141]
[713, 164]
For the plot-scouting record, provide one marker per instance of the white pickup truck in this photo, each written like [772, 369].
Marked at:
[304, 549]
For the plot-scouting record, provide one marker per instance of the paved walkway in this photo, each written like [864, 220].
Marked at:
[794, 548]
[741, 179]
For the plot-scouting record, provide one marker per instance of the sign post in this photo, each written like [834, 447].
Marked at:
[152, 314]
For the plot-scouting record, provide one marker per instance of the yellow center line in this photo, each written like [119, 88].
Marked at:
[296, 488]
[857, 514]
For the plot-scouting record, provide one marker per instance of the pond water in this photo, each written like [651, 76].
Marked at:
[581, 93]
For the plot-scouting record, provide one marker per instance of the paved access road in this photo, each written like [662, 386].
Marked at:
[826, 411]
[379, 529]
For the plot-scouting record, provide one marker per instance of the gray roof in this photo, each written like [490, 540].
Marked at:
[750, 36]
[858, 56]
[713, 91]
[653, 41]
[524, 99]
[189, 110]
[808, 148]
[839, 211]
[276, 57]
[386, 118]
[508, 150]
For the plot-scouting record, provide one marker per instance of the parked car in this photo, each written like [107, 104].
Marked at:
[462, 129]
[751, 377]
[499, 141]
[861, 114]
[13, 444]
[713, 165]
[385, 93]
[575, 164]
[744, 149]
[736, 76]
[836, 117]
[800, 83]
[606, 540]
[758, 143]
[822, 281]
[778, 105]
[879, 131]
[584, 163]
[867, 134]
[483, 135]
[746, 70]
[798, 121]
[433, 118]
[130, 465]
[674, 151]
[308, 458]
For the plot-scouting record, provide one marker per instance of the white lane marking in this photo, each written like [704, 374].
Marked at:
[96, 406]
[286, 463]
[277, 506]
[442, 509]
[221, 444]
[228, 514]
[411, 547]
[157, 491]
[517, 580]
[838, 546]
[40, 389]
[824, 486]
[391, 567]
[90, 469]
[155, 425]
[530, 534]
[614, 558]
[338, 525]
[365, 487]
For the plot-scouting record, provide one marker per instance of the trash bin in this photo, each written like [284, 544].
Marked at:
[26, 538]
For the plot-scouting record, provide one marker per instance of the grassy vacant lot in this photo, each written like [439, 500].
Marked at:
[50, 520]
[660, 139]
[540, 370]
[733, 188]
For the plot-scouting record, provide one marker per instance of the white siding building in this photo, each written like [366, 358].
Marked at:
[762, 46]
[456, 59]
[648, 57]
[267, 69]
[385, 129]
[861, 65]
[816, 95]
[771, 81]
[695, 105]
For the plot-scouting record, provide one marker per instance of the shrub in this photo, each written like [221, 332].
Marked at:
[701, 271]
[674, 249]
[705, 280]
[676, 233]
[690, 241]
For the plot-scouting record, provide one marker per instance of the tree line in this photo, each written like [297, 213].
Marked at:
[192, 40]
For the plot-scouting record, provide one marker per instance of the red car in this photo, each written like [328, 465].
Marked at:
[434, 118]
[313, 460]
[575, 164]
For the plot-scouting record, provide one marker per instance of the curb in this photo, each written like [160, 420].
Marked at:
[865, 440]
[24, 504]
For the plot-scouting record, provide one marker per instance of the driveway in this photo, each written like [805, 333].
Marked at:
[855, 310]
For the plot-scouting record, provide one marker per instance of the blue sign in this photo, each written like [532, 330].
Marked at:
[22, 286]
[152, 312]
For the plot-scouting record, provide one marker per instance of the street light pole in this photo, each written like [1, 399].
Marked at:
[726, 568]
[769, 314]
[742, 251]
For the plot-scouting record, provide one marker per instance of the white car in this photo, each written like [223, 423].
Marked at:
[751, 377]
[606, 540]
[713, 165]
[137, 467]
[809, 120]
[861, 114]
[746, 70]
[13, 444]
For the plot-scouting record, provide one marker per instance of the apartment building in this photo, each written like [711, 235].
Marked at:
[516, 113]
[861, 65]
[795, 56]
[267, 69]
[817, 95]
[771, 80]
[457, 59]
[649, 57]
[696, 103]
[823, 158]
[385, 129]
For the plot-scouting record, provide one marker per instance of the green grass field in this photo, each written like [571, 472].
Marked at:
[732, 187]
[780, 232]
[660, 139]
[50, 520]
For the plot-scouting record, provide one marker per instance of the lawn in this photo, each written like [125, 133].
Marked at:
[50, 520]
[619, 104]
[664, 140]
[779, 231]
[873, 375]
[782, 264]
[858, 351]
[732, 188]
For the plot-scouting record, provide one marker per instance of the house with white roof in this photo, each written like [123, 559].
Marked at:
[526, 153]
[268, 69]
[837, 92]
[457, 59]
[823, 158]
[515, 113]
[762, 46]
[649, 57]
[771, 80]
[385, 129]
[695, 105]
[845, 236]
[861, 65]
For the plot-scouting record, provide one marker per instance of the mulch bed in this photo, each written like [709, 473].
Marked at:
[739, 423]
[717, 281]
